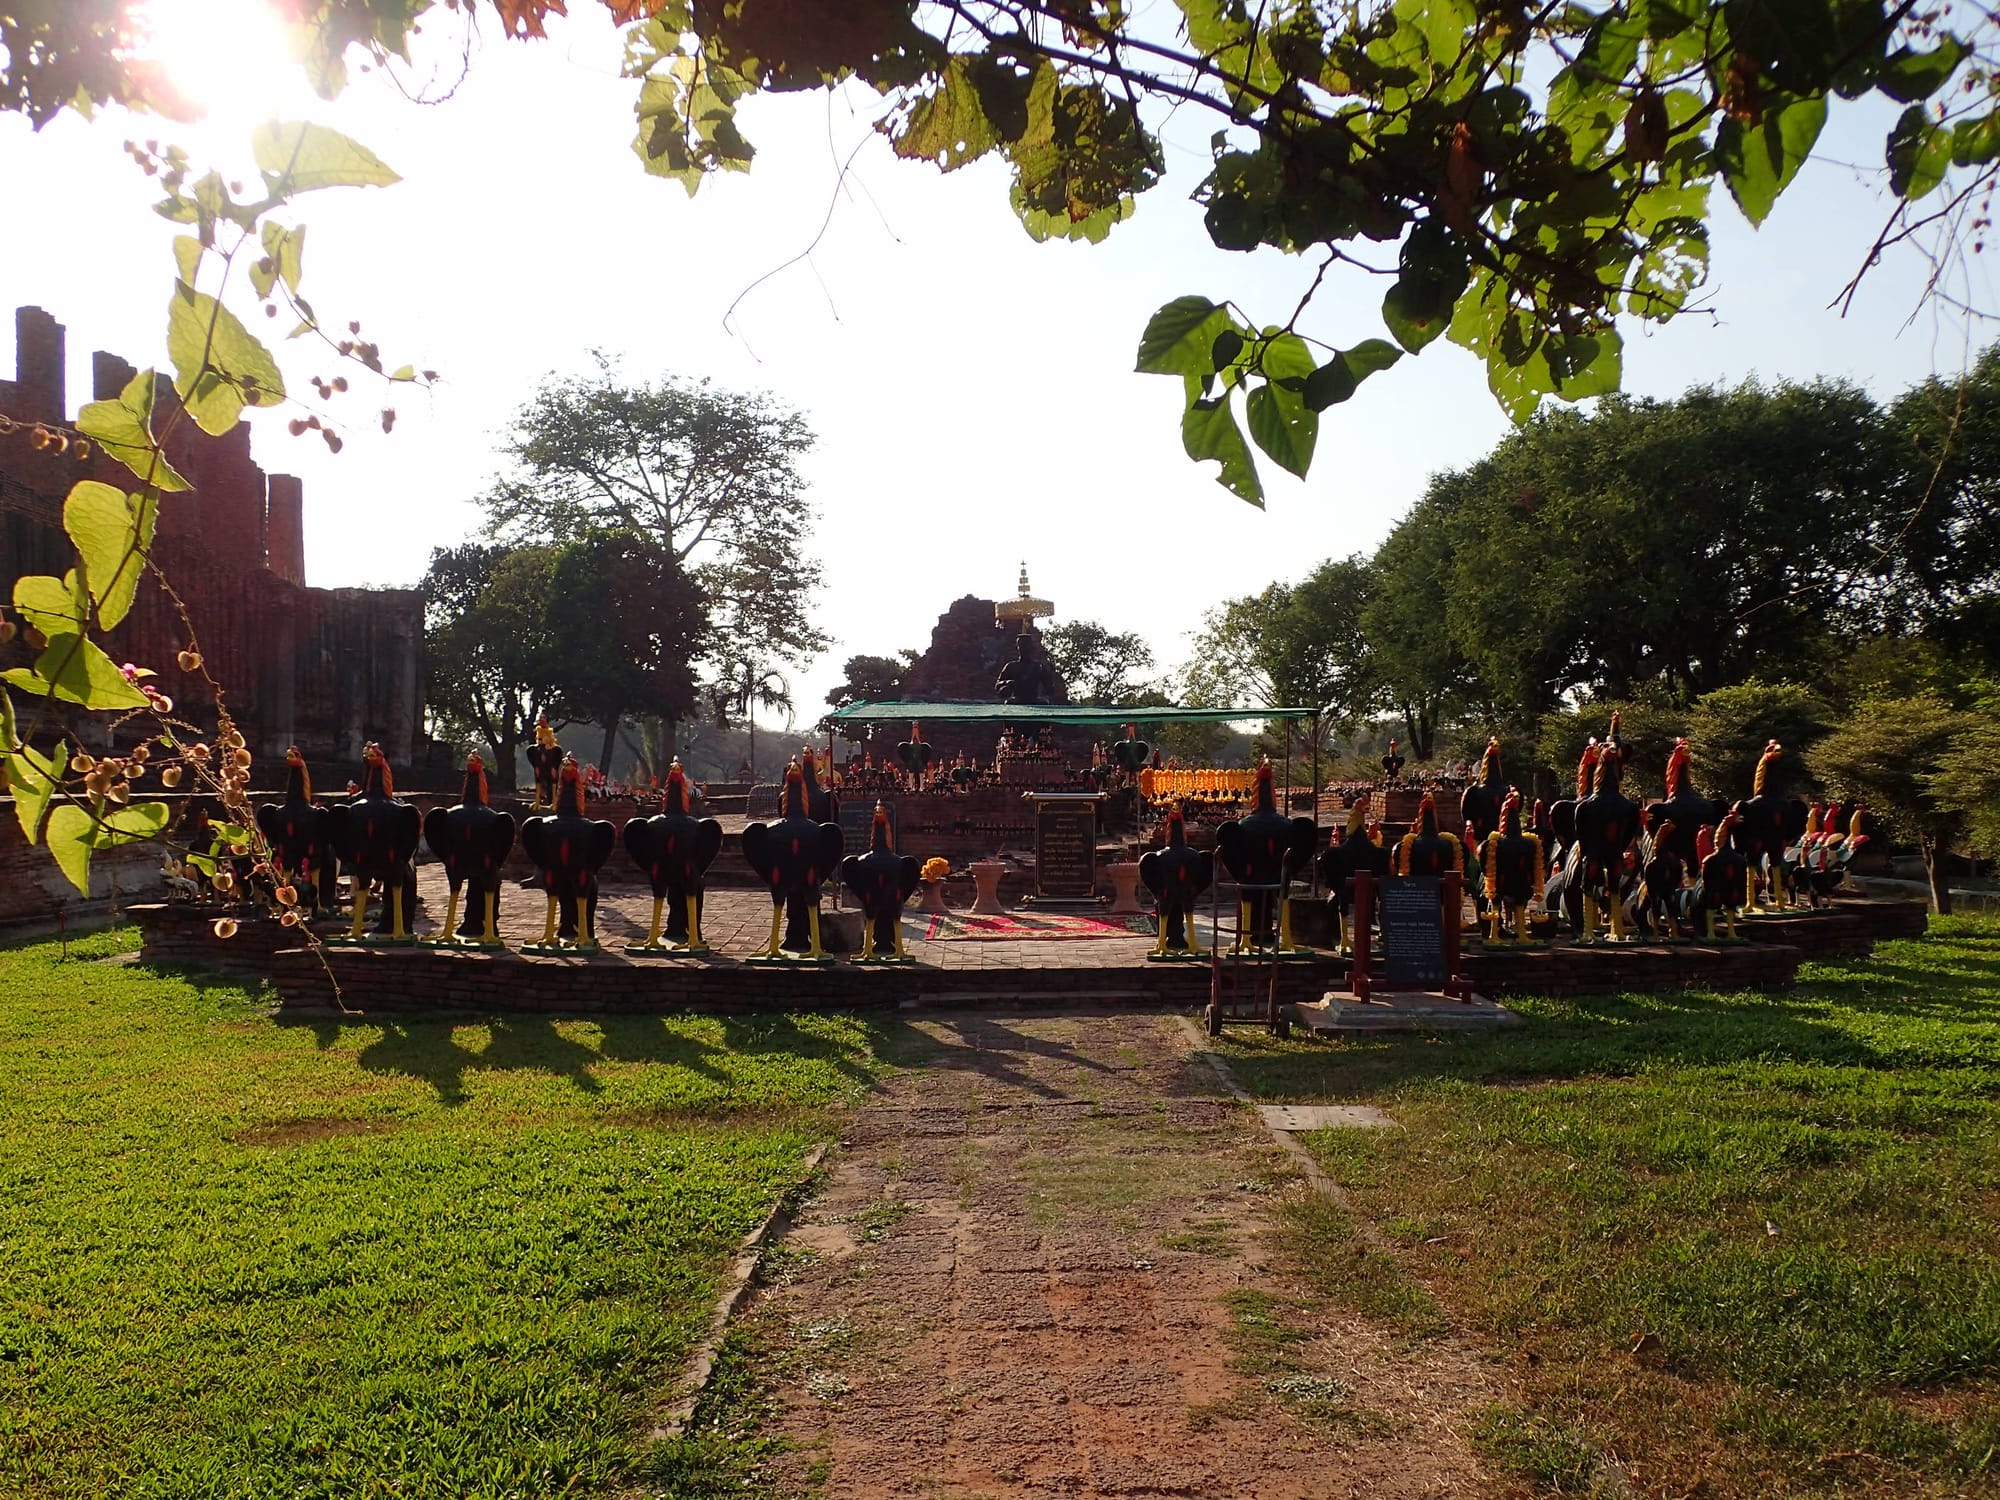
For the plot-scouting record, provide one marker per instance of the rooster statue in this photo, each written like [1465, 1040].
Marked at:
[915, 755]
[1348, 853]
[1392, 766]
[376, 838]
[820, 804]
[296, 830]
[882, 881]
[1767, 823]
[675, 849]
[1607, 821]
[1682, 806]
[1479, 808]
[1724, 882]
[1264, 848]
[472, 841]
[1425, 850]
[1178, 876]
[1660, 900]
[1131, 753]
[568, 850]
[792, 856]
[1514, 870]
[546, 757]
[1562, 815]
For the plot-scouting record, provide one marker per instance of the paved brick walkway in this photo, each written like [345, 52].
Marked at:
[1042, 1268]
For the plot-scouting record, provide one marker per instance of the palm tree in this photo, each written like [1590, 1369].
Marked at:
[745, 687]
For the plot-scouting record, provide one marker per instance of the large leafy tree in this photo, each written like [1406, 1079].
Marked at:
[708, 478]
[1423, 677]
[490, 667]
[1100, 665]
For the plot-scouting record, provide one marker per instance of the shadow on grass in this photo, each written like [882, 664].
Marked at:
[1932, 1002]
[978, 1047]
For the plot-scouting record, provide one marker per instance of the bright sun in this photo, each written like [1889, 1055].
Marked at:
[227, 56]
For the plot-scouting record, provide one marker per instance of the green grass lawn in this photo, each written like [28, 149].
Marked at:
[1726, 1245]
[243, 1256]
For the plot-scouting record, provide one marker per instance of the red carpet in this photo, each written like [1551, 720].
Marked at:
[1017, 927]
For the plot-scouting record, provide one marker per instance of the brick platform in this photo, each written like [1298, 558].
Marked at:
[1086, 972]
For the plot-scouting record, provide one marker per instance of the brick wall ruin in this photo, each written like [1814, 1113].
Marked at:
[326, 669]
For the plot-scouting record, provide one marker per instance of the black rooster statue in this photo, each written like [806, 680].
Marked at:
[1392, 766]
[376, 837]
[296, 830]
[1607, 821]
[546, 757]
[1767, 824]
[675, 849]
[1479, 808]
[1265, 849]
[472, 841]
[1562, 814]
[915, 755]
[1514, 869]
[1685, 808]
[792, 856]
[1349, 853]
[568, 850]
[1178, 877]
[1131, 753]
[1660, 901]
[1425, 850]
[882, 881]
[1724, 882]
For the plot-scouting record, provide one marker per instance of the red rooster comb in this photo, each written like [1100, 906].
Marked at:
[294, 756]
[1586, 765]
[1704, 842]
[1677, 764]
[880, 833]
[475, 762]
[378, 765]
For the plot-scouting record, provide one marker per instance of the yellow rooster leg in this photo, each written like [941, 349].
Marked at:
[1729, 916]
[549, 928]
[1339, 929]
[1708, 923]
[360, 910]
[1493, 923]
[492, 933]
[653, 932]
[1242, 925]
[867, 940]
[1589, 918]
[451, 916]
[777, 927]
[901, 951]
[1285, 924]
[694, 925]
[1161, 945]
[395, 908]
[812, 926]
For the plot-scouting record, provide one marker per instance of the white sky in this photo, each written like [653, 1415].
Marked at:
[972, 391]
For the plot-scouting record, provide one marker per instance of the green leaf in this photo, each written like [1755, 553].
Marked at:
[949, 127]
[219, 365]
[70, 834]
[1760, 161]
[1222, 353]
[132, 824]
[1209, 430]
[1285, 359]
[1284, 427]
[1431, 277]
[1909, 75]
[296, 157]
[54, 606]
[1342, 375]
[124, 429]
[113, 534]
[33, 778]
[1585, 365]
[1974, 142]
[187, 257]
[74, 670]
[1919, 154]
[1180, 338]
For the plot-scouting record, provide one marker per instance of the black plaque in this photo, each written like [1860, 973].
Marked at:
[1066, 849]
[857, 822]
[1412, 933]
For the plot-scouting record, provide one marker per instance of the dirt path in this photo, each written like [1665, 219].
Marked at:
[1041, 1268]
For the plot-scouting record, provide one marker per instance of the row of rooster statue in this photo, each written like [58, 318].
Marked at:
[1670, 867]
[373, 837]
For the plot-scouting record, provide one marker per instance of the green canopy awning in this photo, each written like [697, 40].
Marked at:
[1086, 714]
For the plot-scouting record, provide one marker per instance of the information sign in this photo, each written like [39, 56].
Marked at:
[1065, 848]
[1412, 914]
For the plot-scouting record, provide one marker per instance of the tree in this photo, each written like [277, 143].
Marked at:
[1424, 678]
[624, 626]
[1967, 779]
[1728, 728]
[708, 477]
[1229, 665]
[1648, 731]
[743, 687]
[490, 670]
[1100, 665]
[1891, 754]
[872, 679]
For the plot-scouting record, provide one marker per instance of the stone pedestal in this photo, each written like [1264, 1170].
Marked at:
[986, 877]
[932, 899]
[1124, 889]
